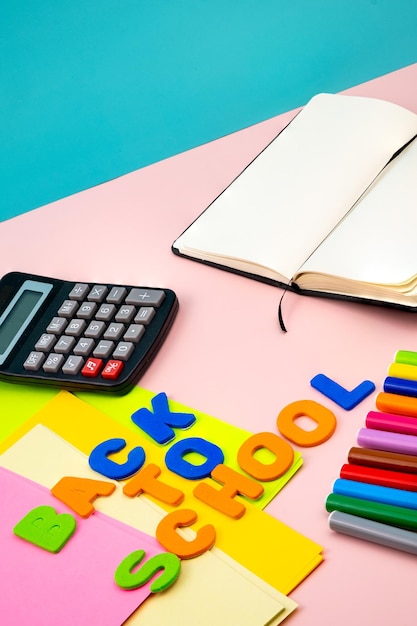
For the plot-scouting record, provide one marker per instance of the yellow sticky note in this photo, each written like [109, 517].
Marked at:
[211, 589]
[225, 435]
[274, 552]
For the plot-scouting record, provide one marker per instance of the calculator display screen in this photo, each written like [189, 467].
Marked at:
[19, 314]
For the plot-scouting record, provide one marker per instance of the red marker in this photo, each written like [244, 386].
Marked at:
[377, 476]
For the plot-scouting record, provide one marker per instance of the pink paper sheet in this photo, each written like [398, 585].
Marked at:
[74, 587]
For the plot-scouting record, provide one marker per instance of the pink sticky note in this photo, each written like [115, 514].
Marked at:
[74, 586]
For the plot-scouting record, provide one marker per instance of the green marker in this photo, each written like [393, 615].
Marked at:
[386, 513]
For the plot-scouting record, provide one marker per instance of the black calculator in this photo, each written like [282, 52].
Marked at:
[78, 335]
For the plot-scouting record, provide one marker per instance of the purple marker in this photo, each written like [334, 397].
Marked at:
[390, 442]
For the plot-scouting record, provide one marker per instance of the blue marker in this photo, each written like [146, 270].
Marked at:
[375, 493]
[401, 386]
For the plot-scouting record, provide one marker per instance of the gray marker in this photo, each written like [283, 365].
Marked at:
[376, 532]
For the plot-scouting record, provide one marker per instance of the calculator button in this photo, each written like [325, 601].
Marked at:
[34, 361]
[79, 292]
[123, 350]
[116, 295]
[112, 370]
[57, 325]
[134, 333]
[84, 346]
[95, 329]
[150, 297]
[87, 310]
[75, 327]
[92, 367]
[53, 363]
[45, 343]
[106, 312]
[68, 308]
[145, 315]
[64, 344]
[103, 349]
[97, 293]
[114, 331]
[125, 313]
[73, 365]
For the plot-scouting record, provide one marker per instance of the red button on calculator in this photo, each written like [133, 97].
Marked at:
[112, 370]
[92, 367]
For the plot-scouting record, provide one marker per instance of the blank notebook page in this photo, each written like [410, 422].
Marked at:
[289, 198]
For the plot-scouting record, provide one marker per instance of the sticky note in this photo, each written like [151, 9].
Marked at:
[38, 586]
[231, 592]
[85, 427]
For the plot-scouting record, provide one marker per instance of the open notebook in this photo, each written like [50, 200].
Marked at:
[329, 207]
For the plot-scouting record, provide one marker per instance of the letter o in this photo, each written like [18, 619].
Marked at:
[176, 463]
[265, 471]
[324, 418]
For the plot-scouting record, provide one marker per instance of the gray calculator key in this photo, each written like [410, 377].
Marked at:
[57, 325]
[97, 293]
[125, 314]
[34, 361]
[79, 292]
[116, 295]
[73, 365]
[53, 363]
[64, 344]
[123, 350]
[75, 327]
[68, 308]
[106, 312]
[148, 297]
[95, 329]
[103, 349]
[84, 346]
[145, 315]
[134, 333]
[45, 343]
[114, 331]
[87, 310]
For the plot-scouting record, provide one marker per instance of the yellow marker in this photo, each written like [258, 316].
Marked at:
[401, 370]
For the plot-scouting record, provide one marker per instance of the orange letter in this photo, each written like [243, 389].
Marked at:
[79, 493]
[222, 499]
[325, 419]
[145, 482]
[262, 471]
[168, 537]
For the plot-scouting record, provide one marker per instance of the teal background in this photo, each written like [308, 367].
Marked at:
[93, 89]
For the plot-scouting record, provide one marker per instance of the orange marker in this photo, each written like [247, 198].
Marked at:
[394, 403]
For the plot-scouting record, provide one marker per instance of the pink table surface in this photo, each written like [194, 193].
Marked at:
[226, 354]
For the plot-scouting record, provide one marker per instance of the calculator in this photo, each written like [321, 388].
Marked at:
[79, 335]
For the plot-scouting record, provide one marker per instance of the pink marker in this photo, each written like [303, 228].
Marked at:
[393, 423]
